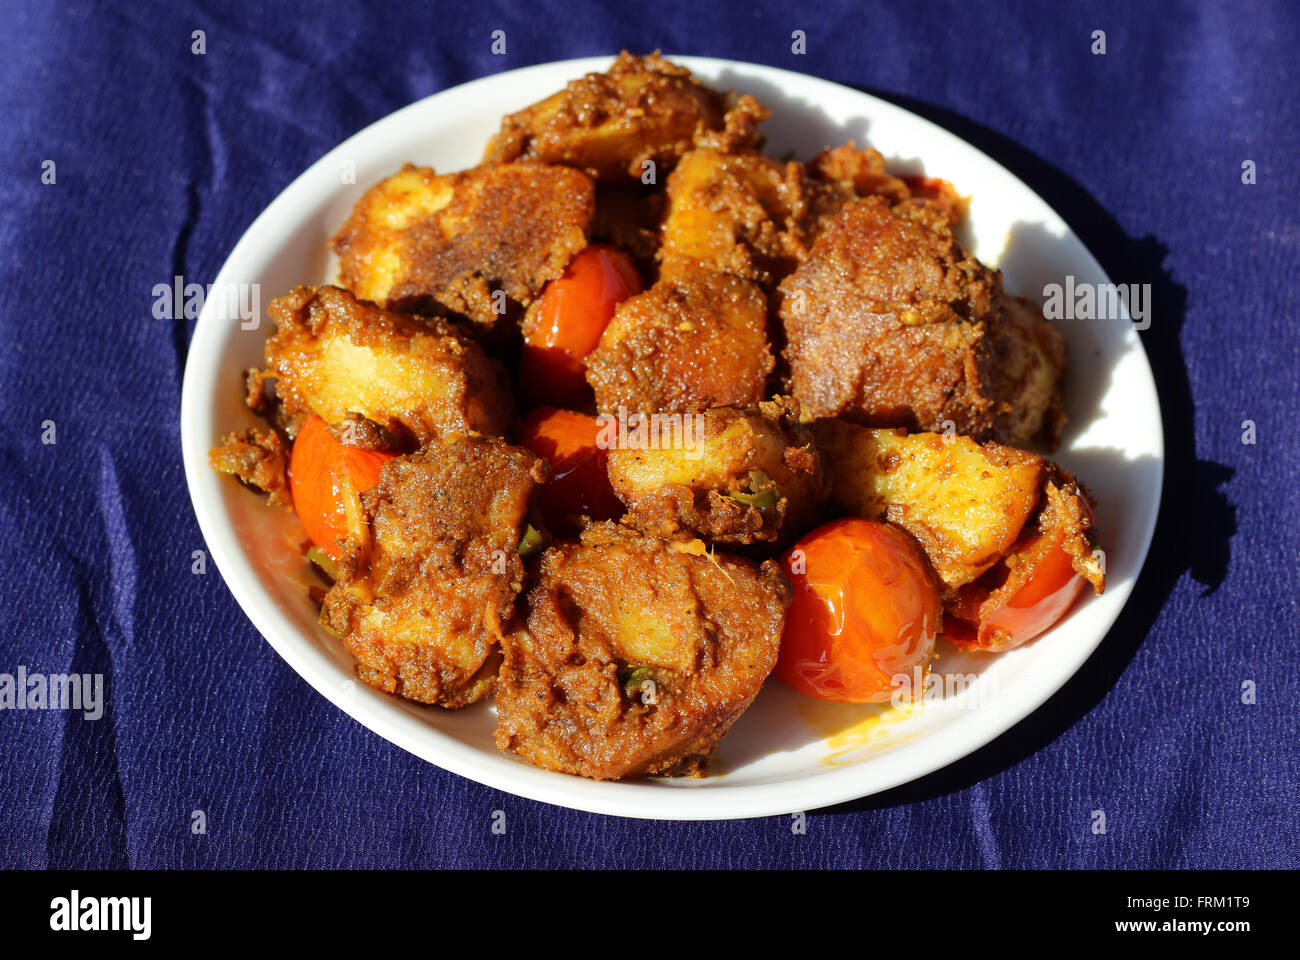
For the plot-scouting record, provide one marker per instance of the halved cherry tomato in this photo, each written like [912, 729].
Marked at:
[570, 317]
[865, 610]
[1029, 599]
[579, 483]
[317, 467]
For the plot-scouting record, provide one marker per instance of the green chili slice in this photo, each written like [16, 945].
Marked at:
[763, 493]
[323, 562]
[530, 542]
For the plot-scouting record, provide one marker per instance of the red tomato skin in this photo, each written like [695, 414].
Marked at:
[317, 465]
[1050, 591]
[864, 610]
[579, 481]
[571, 315]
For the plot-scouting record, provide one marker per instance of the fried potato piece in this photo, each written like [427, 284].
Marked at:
[743, 213]
[258, 458]
[699, 339]
[637, 656]
[644, 108]
[457, 238]
[744, 475]
[891, 323]
[964, 502]
[1024, 374]
[1064, 520]
[417, 378]
[862, 172]
[429, 571]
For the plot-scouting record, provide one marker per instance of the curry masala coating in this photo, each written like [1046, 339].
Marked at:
[429, 570]
[414, 377]
[965, 502]
[743, 475]
[637, 655]
[701, 338]
[643, 109]
[257, 458]
[1064, 520]
[861, 171]
[741, 212]
[458, 238]
[890, 322]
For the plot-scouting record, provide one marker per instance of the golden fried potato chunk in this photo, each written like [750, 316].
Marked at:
[429, 571]
[1065, 521]
[743, 213]
[965, 502]
[701, 338]
[459, 238]
[643, 109]
[891, 322]
[637, 655]
[740, 476]
[257, 458]
[415, 377]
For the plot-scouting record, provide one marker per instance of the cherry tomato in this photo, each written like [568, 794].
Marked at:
[570, 317]
[1035, 594]
[317, 466]
[579, 483]
[865, 609]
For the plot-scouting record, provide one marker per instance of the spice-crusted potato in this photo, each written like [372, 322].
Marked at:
[637, 656]
[743, 213]
[964, 502]
[701, 338]
[1025, 374]
[416, 378]
[891, 323]
[610, 124]
[429, 571]
[257, 458]
[988, 612]
[746, 475]
[862, 171]
[457, 238]
[1066, 518]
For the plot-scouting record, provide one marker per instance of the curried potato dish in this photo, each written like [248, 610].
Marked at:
[631, 417]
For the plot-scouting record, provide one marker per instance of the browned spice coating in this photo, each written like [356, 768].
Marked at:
[416, 378]
[740, 212]
[964, 502]
[258, 458]
[637, 656]
[459, 237]
[891, 323]
[750, 475]
[699, 339]
[642, 110]
[429, 571]
[861, 171]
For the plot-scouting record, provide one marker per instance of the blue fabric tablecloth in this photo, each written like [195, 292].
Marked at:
[162, 159]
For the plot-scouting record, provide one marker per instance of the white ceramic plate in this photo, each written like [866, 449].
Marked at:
[787, 753]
